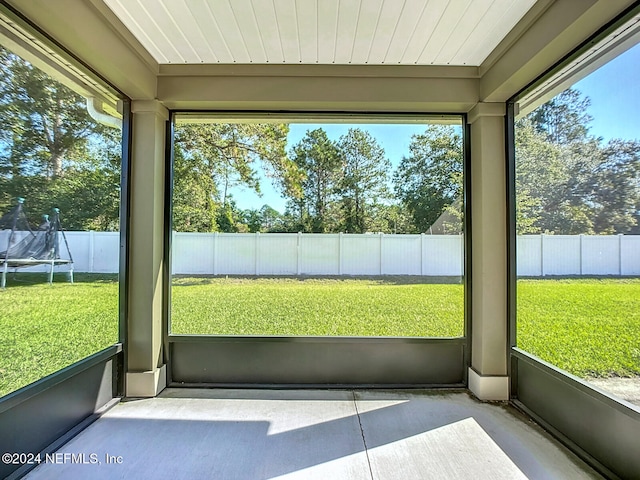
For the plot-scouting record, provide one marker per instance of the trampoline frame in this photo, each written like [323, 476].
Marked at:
[15, 264]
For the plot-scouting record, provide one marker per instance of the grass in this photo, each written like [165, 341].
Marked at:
[44, 328]
[587, 327]
[294, 306]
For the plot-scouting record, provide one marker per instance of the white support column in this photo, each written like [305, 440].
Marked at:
[146, 374]
[488, 373]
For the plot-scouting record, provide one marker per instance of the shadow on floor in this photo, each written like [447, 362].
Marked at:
[315, 434]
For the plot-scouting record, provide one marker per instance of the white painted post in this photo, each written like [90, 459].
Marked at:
[542, 254]
[422, 252]
[462, 272]
[215, 253]
[620, 254]
[257, 251]
[340, 247]
[581, 252]
[173, 254]
[298, 253]
[381, 241]
[91, 250]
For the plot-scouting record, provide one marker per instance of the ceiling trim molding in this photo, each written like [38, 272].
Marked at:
[153, 107]
[266, 70]
[483, 109]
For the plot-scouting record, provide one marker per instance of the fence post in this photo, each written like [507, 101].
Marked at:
[381, 241]
[462, 272]
[91, 250]
[298, 248]
[215, 253]
[422, 240]
[542, 254]
[173, 253]
[581, 252]
[340, 247]
[620, 253]
[257, 251]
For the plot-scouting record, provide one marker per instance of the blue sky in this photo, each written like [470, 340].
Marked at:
[614, 90]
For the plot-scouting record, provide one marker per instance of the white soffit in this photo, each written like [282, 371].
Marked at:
[359, 32]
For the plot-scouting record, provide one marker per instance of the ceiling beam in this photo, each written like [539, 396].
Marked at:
[355, 89]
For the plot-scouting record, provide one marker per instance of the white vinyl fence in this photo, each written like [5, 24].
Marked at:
[541, 255]
[351, 254]
[317, 254]
[92, 252]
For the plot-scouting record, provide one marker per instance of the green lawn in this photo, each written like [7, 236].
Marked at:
[44, 328]
[588, 327]
[290, 306]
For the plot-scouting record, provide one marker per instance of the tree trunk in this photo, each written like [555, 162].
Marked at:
[56, 164]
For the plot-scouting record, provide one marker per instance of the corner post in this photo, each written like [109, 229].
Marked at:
[146, 371]
[488, 378]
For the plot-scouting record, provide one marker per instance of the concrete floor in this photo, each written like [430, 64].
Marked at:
[260, 434]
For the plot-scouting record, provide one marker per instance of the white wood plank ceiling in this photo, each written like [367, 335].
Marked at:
[405, 32]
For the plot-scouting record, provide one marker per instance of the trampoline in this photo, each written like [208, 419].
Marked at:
[28, 248]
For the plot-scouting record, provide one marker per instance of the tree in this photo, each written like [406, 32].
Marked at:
[569, 182]
[251, 218]
[428, 182]
[271, 220]
[319, 159]
[554, 183]
[52, 152]
[88, 194]
[564, 118]
[266, 219]
[392, 218]
[48, 121]
[195, 204]
[212, 158]
[615, 189]
[363, 184]
[230, 218]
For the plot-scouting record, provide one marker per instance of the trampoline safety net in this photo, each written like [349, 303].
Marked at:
[27, 247]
